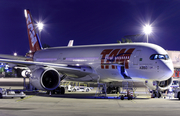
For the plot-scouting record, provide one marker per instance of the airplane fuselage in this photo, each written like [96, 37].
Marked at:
[112, 62]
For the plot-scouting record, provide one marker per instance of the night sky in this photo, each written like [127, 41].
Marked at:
[89, 22]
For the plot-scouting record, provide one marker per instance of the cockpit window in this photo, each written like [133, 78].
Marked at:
[167, 57]
[162, 57]
[159, 56]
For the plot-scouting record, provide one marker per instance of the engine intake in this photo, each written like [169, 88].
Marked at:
[163, 85]
[45, 78]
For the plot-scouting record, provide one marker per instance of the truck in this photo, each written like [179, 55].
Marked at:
[177, 93]
[4, 93]
[176, 89]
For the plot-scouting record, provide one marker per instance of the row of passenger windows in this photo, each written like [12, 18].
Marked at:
[159, 56]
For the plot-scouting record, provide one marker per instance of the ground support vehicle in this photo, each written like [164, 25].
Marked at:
[10, 94]
[177, 93]
[79, 88]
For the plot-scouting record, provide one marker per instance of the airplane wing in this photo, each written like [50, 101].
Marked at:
[12, 57]
[78, 71]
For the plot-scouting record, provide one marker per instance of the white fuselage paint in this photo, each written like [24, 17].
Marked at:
[106, 60]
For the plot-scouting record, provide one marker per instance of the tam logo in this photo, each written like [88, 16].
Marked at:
[31, 30]
[116, 56]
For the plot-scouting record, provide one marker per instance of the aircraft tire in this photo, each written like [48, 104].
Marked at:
[159, 95]
[179, 95]
[62, 90]
[58, 90]
[153, 94]
[108, 90]
[118, 89]
[0, 95]
[122, 97]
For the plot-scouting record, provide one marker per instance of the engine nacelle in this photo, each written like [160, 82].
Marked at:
[163, 85]
[45, 79]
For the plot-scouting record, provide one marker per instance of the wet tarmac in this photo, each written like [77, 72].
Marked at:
[88, 104]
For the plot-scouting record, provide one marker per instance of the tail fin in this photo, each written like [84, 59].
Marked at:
[34, 41]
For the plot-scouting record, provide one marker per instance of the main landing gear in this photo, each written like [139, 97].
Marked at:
[157, 92]
[58, 90]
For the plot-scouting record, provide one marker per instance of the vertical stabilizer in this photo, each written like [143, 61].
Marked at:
[34, 41]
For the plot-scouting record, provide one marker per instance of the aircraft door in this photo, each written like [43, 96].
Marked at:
[136, 57]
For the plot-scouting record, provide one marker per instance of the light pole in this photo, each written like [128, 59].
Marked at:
[40, 27]
[147, 30]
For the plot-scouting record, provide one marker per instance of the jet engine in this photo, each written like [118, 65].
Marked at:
[45, 78]
[163, 85]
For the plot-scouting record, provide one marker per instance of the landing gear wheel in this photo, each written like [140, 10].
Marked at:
[62, 90]
[129, 98]
[179, 95]
[155, 94]
[159, 95]
[122, 97]
[58, 90]
[1, 95]
[118, 89]
[108, 90]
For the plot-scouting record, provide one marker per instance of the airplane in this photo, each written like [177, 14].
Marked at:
[102, 63]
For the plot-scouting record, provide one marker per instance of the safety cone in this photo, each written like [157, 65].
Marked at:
[50, 93]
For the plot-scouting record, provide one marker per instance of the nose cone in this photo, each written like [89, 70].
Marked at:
[168, 70]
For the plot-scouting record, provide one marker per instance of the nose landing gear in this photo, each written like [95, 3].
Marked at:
[157, 92]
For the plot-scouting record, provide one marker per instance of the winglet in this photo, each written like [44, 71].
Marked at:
[34, 41]
[70, 43]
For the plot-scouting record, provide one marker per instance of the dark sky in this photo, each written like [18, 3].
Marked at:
[89, 22]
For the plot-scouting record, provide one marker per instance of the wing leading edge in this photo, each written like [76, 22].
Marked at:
[79, 71]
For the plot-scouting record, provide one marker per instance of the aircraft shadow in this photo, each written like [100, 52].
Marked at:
[80, 96]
